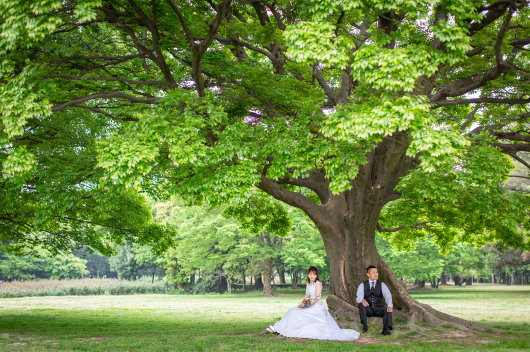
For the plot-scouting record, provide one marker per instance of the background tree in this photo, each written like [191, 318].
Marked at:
[39, 263]
[337, 108]
[96, 263]
[147, 260]
[125, 264]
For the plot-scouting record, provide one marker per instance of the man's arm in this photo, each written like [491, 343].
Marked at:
[388, 297]
[360, 293]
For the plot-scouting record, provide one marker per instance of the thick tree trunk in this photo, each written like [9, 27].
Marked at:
[443, 279]
[267, 275]
[281, 275]
[421, 283]
[348, 222]
[258, 283]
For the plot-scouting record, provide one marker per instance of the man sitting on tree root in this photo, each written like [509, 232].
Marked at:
[370, 296]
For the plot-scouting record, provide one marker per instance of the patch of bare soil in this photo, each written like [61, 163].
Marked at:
[5, 335]
[16, 345]
[94, 339]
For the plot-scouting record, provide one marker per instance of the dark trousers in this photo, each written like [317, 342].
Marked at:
[379, 311]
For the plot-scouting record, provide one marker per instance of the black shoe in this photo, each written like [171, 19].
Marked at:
[386, 332]
[365, 330]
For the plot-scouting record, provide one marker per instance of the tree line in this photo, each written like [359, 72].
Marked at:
[215, 254]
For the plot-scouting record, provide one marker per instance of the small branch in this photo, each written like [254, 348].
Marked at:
[104, 95]
[189, 36]
[528, 178]
[469, 119]
[500, 37]
[112, 79]
[276, 14]
[480, 100]
[334, 97]
[514, 155]
[416, 226]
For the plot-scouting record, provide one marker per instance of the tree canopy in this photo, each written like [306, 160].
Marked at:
[338, 108]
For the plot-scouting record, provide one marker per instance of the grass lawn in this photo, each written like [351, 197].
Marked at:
[232, 323]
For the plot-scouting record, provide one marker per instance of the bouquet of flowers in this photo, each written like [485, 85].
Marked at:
[306, 303]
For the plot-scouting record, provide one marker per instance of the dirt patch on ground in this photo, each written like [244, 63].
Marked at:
[94, 339]
[16, 345]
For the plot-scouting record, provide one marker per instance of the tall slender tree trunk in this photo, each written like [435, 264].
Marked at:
[267, 275]
[294, 278]
[258, 283]
[443, 279]
[281, 275]
[192, 278]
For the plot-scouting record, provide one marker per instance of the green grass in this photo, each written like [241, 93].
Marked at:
[232, 322]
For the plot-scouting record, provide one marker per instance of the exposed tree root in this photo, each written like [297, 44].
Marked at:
[420, 317]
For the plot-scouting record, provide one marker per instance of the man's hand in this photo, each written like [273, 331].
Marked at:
[389, 309]
[365, 303]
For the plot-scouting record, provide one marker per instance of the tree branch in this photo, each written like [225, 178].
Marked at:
[469, 119]
[480, 100]
[292, 198]
[111, 79]
[417, 226]
[104, 95]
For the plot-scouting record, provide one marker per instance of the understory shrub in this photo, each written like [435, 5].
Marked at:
[208, 284]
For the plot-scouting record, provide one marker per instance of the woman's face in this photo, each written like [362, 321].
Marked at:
[312, 276]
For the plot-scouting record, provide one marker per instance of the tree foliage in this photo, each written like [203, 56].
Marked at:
[39, 263]
[337, 108]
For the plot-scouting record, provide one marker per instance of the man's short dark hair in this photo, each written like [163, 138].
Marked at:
[370, 267]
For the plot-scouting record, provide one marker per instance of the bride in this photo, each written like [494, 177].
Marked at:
[311, 319]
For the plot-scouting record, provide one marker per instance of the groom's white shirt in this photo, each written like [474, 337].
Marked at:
[386, 293]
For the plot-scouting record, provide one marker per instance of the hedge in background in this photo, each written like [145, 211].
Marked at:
[79, 287]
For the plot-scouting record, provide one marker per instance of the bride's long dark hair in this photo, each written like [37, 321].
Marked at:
[312, 268]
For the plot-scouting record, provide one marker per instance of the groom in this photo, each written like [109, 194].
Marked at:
[370, 296]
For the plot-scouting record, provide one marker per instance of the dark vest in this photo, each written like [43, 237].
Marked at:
[375, 297]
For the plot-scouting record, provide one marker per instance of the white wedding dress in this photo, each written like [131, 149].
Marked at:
[313, 322]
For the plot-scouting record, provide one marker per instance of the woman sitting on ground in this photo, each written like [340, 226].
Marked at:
[311, 319]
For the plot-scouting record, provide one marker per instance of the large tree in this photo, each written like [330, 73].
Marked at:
[338, 108]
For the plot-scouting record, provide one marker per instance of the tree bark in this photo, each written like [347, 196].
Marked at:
[348, 222]
[294, 278]
[267, 275]
[281, 275]
[443, 279]
[258, 283]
